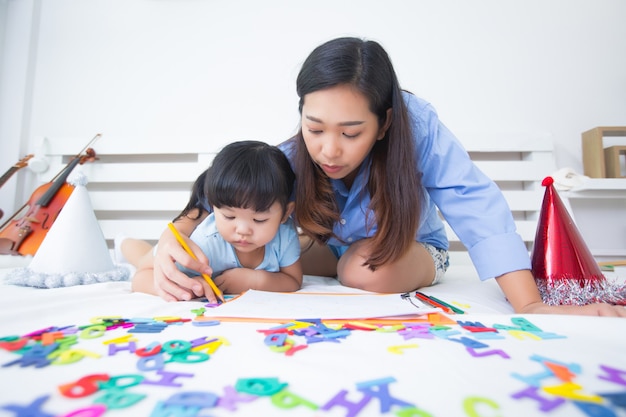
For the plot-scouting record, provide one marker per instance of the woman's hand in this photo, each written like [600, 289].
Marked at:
[598, 309]
[169, 282]
[520, 289]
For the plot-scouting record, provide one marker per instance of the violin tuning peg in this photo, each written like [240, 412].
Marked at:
[39, 163]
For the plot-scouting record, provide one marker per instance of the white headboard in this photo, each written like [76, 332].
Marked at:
[136, 189]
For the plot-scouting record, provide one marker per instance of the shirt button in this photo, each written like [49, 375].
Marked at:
[349, 239]
[342, 221]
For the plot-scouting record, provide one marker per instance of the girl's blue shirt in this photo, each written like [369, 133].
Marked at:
[283, 250]
[471, 202]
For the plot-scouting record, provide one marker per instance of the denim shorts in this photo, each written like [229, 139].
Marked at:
[441, 260]
[440, 257]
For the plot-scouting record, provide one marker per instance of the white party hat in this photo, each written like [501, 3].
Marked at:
[74, 250]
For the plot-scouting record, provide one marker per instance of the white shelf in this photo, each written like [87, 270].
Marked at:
[598, 188]
[598, 207]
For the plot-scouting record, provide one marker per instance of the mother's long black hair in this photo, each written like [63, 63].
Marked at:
[394, 182]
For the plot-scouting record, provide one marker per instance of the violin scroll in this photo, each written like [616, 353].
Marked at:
[90, 156]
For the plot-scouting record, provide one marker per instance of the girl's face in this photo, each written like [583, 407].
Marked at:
[339, 130]
[248, 230]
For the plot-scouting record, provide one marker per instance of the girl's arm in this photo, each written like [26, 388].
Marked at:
[521, 291]
[169, 282]
[238, 280]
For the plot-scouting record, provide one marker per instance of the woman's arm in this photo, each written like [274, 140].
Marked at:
[169, 282]
[238, 280]
[521, 291]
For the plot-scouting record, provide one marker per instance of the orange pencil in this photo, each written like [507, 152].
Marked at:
[207, 278]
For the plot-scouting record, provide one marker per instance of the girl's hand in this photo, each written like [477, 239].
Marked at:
[238, 280]
[172, 284]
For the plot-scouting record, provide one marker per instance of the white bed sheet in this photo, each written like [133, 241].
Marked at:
[438, 376]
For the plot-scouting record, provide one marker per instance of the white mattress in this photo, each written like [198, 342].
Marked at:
[367, 373]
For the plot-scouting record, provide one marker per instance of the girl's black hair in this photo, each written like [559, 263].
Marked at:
[249, 174]
[197, 204]
[244, 174]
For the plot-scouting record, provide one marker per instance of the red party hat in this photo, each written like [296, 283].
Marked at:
[562, 264]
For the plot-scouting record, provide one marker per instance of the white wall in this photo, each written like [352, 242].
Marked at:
[16, 51]
[214, 71]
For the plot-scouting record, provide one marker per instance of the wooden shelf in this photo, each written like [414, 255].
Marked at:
[593, 149]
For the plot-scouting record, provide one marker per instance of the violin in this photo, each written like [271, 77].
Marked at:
[18, 165]
[24, 235]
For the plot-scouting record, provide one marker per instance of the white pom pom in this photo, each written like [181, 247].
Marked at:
[77, 177]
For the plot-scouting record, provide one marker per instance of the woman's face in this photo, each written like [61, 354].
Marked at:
[339, 130]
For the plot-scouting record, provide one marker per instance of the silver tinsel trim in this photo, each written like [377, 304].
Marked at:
[581, 292]
[28, 278]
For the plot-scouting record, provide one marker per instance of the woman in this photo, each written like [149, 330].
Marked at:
[372, 164]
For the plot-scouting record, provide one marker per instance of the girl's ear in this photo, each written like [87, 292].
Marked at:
[384, 127]
[288, 210]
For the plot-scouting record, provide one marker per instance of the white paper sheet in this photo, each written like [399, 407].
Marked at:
[273, 305]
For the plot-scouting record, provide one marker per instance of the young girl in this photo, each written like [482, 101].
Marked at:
[248, 239]
[372, 164]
